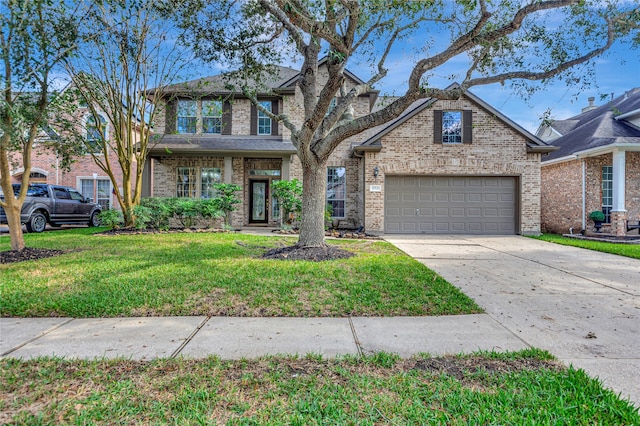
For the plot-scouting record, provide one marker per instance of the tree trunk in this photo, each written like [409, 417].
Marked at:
[12, 210]
[312, 226]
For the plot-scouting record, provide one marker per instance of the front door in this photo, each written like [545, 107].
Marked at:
[258, 201]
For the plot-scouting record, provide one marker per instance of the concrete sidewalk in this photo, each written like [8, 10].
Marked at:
[147, 338]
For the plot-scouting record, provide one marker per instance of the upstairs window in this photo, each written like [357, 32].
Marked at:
[264, 122]
[187, 116]
[96, 133]
[451, 127]
[212, 117]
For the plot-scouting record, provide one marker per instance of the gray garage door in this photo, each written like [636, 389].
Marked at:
[450, 205]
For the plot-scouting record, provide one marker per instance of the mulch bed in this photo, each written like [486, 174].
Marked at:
[315, 254]
[28, 253]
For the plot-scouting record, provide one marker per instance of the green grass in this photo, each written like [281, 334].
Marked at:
[521, 388]
[216, 274]
[628, 250]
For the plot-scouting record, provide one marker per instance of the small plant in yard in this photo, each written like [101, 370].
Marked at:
[162, 210]
[289, 196]
[186, 210]
[228, 199]
[597, 216]
[112, 218]
[142, 217]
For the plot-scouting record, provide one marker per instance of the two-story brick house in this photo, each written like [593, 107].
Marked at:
[441, 167]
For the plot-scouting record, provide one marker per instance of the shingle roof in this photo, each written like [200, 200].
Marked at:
[598, 127]
[215, 143]
[231, 83]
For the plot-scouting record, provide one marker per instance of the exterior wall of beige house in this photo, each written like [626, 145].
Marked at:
[500, 152]
[496, 150]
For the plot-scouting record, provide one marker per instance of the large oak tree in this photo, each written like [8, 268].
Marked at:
[516, 41]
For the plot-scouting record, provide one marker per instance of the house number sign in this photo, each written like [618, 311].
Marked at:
[375, 188]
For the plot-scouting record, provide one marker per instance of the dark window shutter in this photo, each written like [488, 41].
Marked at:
[437, 126]
[171, 117]
[226, 118]
[274, 123]
[253, 128]
[467, 127]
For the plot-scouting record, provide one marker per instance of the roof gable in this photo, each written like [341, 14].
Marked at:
[533, 142]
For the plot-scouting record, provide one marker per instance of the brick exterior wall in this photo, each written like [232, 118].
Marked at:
[561, 197]
[561, 201]
[497, 150]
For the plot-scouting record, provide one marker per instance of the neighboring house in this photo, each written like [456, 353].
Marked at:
[597, 167]
[83, 175]
[442, 167]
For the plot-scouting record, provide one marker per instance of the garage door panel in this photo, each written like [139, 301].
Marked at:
[425, 197]
[460, 204]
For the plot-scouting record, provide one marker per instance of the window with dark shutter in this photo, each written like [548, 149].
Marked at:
[437, 126]
[253, 127]
[171, 116]
[226, 118]
[452, 127]
[467, 133]
[274, 123]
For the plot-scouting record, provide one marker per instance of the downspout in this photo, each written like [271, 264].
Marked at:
[584, 194]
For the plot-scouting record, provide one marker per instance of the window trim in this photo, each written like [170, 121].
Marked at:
[467, 127]
[262, 116]
[189, 117]
[195, 189]
[219, 104]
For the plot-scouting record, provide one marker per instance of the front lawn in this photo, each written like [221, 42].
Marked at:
[518, 388]
[216, 274]
[628, 250]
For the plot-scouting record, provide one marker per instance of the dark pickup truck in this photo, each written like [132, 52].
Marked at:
[57, 205]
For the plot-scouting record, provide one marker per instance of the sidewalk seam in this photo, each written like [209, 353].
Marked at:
[33, 339]
[355, 338]
[188, 339]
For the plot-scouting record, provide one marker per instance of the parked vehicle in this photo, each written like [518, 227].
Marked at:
[56, 205]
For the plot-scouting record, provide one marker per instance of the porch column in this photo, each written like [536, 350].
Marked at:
[619, 211]
[286, 167]
[228, 170]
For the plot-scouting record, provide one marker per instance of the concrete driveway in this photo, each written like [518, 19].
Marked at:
[580, 305]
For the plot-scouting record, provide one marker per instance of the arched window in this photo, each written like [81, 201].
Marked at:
[96, 132]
